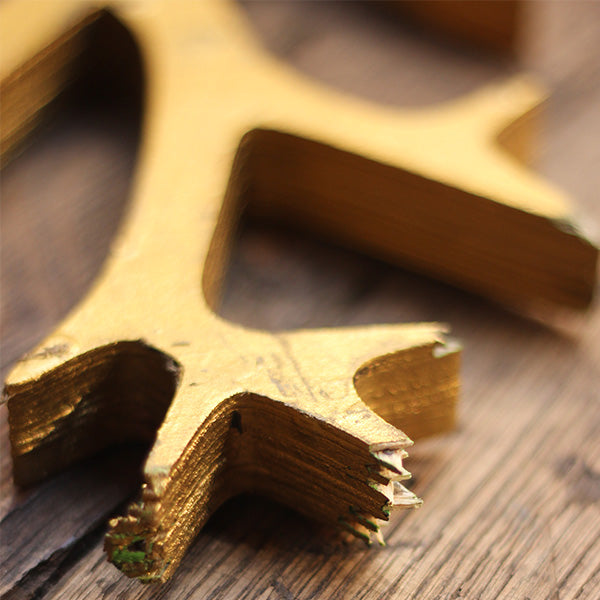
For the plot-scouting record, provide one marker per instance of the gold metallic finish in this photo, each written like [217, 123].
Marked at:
[309, 418]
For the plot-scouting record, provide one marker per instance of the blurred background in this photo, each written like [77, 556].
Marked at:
[527, 383]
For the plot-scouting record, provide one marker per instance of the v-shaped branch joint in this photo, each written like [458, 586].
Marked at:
[296, 416]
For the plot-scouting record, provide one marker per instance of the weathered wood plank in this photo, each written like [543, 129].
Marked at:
[48, 529]
[512, 499]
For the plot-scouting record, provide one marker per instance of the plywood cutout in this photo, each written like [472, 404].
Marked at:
[314, 419]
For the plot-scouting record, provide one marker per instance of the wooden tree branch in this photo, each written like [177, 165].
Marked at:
[296, 416]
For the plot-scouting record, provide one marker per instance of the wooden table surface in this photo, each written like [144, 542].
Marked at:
[512, 498]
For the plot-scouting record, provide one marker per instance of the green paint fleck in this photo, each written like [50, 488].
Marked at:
[368, 523]
[363, 536]
[122, 556]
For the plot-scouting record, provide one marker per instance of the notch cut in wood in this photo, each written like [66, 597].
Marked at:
[310, 418]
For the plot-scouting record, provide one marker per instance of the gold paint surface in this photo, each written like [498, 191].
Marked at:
[310, 418]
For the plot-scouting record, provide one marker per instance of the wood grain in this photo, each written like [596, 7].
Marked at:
[511, 500]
